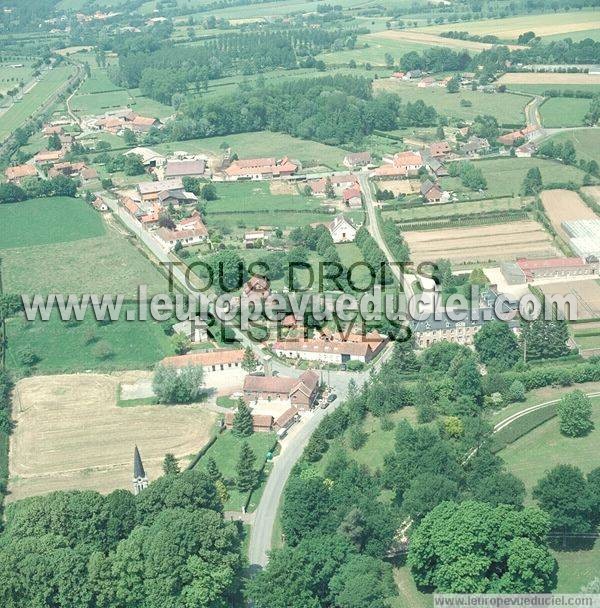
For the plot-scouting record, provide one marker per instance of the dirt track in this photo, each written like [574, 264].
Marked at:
[70, 434]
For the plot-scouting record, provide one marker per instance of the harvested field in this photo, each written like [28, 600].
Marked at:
[70, 434]
[433, 40]
[565, 205]
[501, 242]
[587, 293]
[398, 186]
[548, 78]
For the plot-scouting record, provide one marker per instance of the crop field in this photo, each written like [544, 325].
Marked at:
[431, 39]
[71, 251]
[505, 176]
[17, 114]
[510, 28]
[70, 434]
[564, 205]
[506, 107]
[593, 191]
[551, 79]
[481, 244]
[587, 293]
[564, 112]
[544, 447]
[586, 142]
[263, 143]
[433, 212]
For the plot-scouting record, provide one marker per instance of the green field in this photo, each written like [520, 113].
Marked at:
[263, 143]
[564, 112]
[11, 76]
[77, 252]
[506, 107]
[505, 175]
[586, 141]
[577, 568]
[87, 345]
[432, 212]
[543, 448]
[94, 104]
[226, 450]
[16, 115]
[540, 89]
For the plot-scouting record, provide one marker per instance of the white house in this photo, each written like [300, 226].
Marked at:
[342, 230]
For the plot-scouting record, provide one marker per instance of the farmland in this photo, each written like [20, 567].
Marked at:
[543, 25]
[481, 243]
[586, 142]
[564, 205]
[93, 104]
[70, 434]
[564, 112]
[11, 75]
[587, 293]
[75, 252]
[549, 78]
[506, 107]
[17, 114]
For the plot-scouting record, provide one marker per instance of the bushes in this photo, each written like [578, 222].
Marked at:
[561, 376]
[178, 386]
[522, 426]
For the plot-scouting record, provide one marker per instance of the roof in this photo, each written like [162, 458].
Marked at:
[209, 357]
[176, 235]
[256, 283]
[160, 186]
[528, 265]
[49, 155]
[258, 420]
[89, 173]
[328, 347]
[148, 155]
[440, 321]
[407, 159]
[356, 158]
[20, 171]
[286, 416]
[261, 165]
[181, 168]
[138, 466]
[306, 384]
[339, 220]
[390, 171]
[438, 148]
[131, 205]
[350, 193]
[144, 121]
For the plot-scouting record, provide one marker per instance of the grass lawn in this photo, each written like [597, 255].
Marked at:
[41, 92]
[78, 252]
[505, 176]
[350, 254]
[87, 345]
[226, 450]
[11, 76]
[48, 220]
[543, 448]
[577, 568]
[93, 104]
[506, 107]
[564, 112]
[586, 142]
[432, 212]
[265, 143]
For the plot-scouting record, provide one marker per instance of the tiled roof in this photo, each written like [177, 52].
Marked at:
[20, 171]
[209, 357]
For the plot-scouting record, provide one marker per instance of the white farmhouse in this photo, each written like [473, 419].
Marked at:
[342, 230]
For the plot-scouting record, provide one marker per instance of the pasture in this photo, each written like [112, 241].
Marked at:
[586, 142]
[12, 71]
[563, 206]
[481, 244]
[551, 24]
[506, 107]
[564, 112]
[43, 90]
[71, 435]
[263, 143]
[552, 79]
[73, 250]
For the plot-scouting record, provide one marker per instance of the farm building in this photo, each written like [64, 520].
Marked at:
[329, 351]
[584, 237]
[439, 149]
[300, 392]
[352, 198]
[475, 146]
[357, 159]
[184, 168]
[508, 139]
[165, 192]
[527, 271]
[261, 423]
[149, 157]
[211, 360]
[16, 174]
[409, 161]
[260, 168]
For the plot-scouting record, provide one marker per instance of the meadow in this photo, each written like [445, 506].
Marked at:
[72, 250]
[263, 143]
[564, 112]
[586, 142]
[11, 76]
[506, 107]
[17, 114]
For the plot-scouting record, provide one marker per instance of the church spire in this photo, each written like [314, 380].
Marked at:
[140, 481]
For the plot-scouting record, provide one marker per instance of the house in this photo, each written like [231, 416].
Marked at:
[409, 161]
[49, 130]
[196, 330]
[14, 175]
[528, 133]
[435, 166]
[439, 149]
[412, 74]
[527, 150]
[131, 206]
[142, 124]
[67, 169]
[300, 392]
[397, 76]
[189, 231]
[261, 423]
[184, 168]
[256, 287]
[339, 183]
[330, 351]
[149, 157]
[475, 146]
[352, 198]
[431, 192]
[429, 81]
[211, 360]
[88, 174]
[342, 230]
[526, 271]
[166, 192]
[287, 419]
[389, 172]
[99, 204]
[49, 156]
[357, 159]
[439, 327]
[253, 238]
[260, 168]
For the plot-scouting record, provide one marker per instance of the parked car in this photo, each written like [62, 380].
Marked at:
[324, 404]
[332, 398]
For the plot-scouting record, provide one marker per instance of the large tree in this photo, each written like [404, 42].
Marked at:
[575, 414]
[474, 547]
[246, 474]
[242, 420]
[497, 345]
